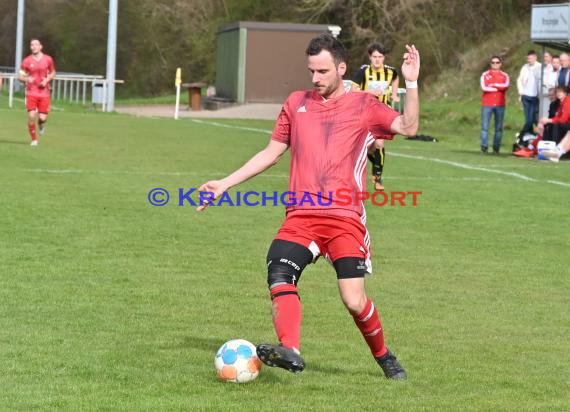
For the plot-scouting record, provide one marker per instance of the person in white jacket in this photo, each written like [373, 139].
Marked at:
[550, 76]
[528, 84]
[549, 80]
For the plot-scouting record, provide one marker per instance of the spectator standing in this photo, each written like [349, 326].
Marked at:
[494, 84]
[528, 86]
[564, 72]
[547, 60]
[549, 81]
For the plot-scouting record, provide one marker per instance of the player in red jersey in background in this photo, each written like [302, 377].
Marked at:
[328, 131]
[37, 71]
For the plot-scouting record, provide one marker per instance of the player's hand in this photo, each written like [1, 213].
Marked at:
[411, 65]
[214, 186]
[396, 98]
[29, 79]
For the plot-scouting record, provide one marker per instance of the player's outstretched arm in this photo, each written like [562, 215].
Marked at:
[257, 164]
[408, 123]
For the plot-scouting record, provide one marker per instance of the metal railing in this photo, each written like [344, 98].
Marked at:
[68, 87]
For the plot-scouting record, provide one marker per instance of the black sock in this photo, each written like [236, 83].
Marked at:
[378, 164]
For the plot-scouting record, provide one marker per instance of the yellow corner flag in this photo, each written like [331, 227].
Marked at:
[178, 80]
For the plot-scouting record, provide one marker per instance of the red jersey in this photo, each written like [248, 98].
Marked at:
[563, 112]
[37, 70]
[329, 140]
[494, 84]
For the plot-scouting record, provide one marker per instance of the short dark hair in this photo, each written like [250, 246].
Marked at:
[497, 57]
[562, 88]
[327, 42]
[377, 47]
[530, 52]
[555, 56]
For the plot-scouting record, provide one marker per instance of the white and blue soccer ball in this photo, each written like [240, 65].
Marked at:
[236, 361]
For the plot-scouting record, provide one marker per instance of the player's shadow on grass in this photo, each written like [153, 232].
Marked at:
[203, 343]
[335, 370]
[211, 344]
[12, 142]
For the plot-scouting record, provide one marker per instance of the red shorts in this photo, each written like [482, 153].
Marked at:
[334, 237]
[39, 103]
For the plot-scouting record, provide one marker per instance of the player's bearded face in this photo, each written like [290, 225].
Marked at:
[325, 74]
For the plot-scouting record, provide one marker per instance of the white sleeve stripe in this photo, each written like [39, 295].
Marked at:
[486, 88]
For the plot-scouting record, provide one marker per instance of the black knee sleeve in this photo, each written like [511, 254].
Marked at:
[286, 261]
[350, 267]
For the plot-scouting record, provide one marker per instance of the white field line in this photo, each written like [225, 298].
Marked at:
[142, 173]
[430, 159]
[219, 174]
[556, 182]
[54, 171]
[465, 166]
[268, 175]
[229, 126]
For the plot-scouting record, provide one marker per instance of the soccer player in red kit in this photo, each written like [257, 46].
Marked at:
[37, 71]
[328, 131]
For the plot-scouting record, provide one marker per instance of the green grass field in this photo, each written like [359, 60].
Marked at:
[110, 303]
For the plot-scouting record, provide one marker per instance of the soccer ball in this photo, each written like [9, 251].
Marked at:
[236, 361]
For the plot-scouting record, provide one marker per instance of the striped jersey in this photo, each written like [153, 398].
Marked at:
[367, 73]
[328, 141]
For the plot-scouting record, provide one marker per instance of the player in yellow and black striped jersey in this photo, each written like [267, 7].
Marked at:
[387, 74]
[381, 80]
